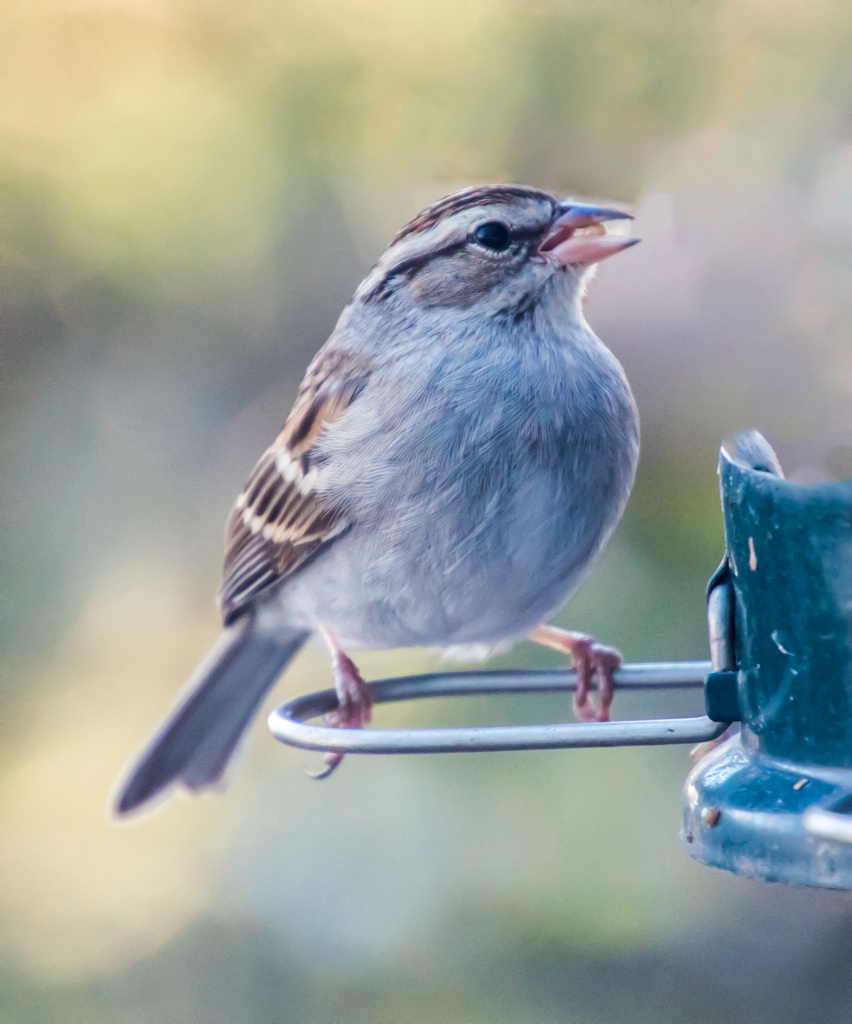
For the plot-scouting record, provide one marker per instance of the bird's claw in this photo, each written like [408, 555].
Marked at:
[594, 661]
[354, 709]
[332, 759]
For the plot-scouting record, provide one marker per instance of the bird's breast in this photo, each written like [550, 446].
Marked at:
[481, 498]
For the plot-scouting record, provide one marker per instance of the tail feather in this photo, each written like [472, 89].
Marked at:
[202, 734]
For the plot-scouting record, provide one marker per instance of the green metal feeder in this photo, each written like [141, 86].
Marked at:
[774, 800]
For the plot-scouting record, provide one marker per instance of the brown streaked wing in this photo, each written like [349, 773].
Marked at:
[280, 520]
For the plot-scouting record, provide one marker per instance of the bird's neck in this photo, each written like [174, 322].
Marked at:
[549, 318]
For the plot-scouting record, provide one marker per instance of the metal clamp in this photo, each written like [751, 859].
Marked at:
[721, 690]
[831, 821]
[288, 722]
[721, 620]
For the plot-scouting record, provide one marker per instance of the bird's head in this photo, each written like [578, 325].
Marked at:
[493, 250]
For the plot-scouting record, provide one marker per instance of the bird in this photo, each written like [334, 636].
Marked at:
[458, 454]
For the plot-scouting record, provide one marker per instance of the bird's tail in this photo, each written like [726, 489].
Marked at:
[201, 735]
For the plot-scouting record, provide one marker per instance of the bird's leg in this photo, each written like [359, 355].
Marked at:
[354, 700]
[590, 659]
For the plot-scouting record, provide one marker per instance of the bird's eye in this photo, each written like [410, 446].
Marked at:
[493, 235]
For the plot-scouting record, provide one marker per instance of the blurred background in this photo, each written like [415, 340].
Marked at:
[191, 192]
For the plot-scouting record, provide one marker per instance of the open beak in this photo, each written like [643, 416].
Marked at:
[578, 238]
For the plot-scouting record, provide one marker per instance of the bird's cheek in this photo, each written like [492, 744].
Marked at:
[454, 283]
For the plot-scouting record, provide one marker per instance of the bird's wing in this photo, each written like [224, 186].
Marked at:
[281, 519]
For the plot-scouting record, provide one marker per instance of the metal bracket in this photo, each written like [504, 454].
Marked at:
[831, 821]
[288, 722]
[721, 691]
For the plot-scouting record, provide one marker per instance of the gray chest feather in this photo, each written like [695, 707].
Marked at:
[490, 493]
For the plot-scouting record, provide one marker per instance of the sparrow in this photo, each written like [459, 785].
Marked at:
[458, 455]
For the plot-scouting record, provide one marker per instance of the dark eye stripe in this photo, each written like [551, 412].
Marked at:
[407, 268]
[382, 289]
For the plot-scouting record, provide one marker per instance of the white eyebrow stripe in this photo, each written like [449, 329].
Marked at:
[451, 230]
[411, 248]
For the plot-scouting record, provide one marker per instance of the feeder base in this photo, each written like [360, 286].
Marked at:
[746, 812]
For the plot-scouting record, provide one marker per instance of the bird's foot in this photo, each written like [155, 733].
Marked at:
[354, 704]
[594, 662]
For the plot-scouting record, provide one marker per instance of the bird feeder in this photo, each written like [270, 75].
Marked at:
[774, 800]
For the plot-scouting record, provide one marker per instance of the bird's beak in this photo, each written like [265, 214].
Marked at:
[578, 238]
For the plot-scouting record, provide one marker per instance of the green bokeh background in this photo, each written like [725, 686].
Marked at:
[190, 193]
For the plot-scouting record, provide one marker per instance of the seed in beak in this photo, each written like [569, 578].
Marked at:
[578, 237]
[590, 229]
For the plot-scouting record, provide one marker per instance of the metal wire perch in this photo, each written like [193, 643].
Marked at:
[288, 722]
